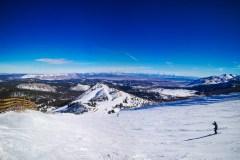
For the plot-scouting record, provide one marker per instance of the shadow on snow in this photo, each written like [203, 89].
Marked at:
[200, 137]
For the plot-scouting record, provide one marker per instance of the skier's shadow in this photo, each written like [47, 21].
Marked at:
[199, 137]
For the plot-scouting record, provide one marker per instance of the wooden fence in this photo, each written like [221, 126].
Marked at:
[16, 104]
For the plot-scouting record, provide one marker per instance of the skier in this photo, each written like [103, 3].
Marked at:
[215, 127]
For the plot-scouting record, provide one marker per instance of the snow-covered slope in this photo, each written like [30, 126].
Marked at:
[80, 87]
[169, 93]
[215, 79]
[37, 87]
[107, 98]
[170, 131]
[52, 76]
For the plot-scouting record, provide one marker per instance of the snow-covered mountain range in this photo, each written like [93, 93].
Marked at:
[100, 75]
[62, 76]
[215, 79]
[103, 98]
[37, 87]
[80, 87]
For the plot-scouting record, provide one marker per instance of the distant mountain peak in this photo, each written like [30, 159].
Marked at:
[107, 99]
[215, 79]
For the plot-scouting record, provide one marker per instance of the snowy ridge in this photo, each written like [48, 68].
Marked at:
[37, 87]
[80, 87]
[109, 98]
[215, 79]
[169, 93]
[62, 76]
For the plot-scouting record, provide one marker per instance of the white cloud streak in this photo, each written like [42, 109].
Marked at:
[127, 54]
[55, 61]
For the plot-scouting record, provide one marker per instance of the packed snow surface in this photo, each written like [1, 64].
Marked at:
[62, 76]
[175, 92]
[179, 130]
[37, 87]
[215, 79]
[80, 87]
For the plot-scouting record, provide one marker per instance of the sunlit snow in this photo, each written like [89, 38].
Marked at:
[179, 130]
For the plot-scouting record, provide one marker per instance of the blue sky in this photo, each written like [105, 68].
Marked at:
[184, 37]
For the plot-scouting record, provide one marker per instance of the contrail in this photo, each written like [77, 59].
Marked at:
[135, 59]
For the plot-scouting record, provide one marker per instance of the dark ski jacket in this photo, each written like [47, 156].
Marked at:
[215, 125]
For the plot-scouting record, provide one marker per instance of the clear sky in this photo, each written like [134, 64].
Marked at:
[184, 37]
